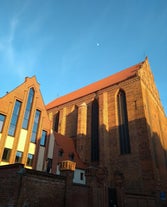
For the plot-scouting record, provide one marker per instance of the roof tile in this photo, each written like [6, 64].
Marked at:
[67, 145]
[111, 80]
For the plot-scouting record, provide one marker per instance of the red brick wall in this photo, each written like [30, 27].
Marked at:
[36, 188]
[9, 185]
[147, 131]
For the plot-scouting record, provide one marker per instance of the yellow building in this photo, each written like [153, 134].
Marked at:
[24, 126]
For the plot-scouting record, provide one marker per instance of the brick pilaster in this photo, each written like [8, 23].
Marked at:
[82, 120]
[103, 128]
[62, 128]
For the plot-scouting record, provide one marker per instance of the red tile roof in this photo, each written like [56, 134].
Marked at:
[67, 145]
[111, 80]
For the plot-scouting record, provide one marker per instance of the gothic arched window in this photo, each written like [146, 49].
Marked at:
[123, 123]
[56, 121]
[95, 131]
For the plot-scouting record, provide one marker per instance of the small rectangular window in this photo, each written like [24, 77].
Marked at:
[30, 160]
[48, 165]
[61, 152]
[71, 156]
[81, 176]
[18, 157]
[2, 121]
[6, 155]
[43, 138]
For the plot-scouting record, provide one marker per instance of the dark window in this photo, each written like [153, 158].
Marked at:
[61, 152]
[112, 197]
[123, 123]
[18, 158]
[71, 156]
[56, 123]
[6, 155]
[30, 160]
[48, 165]
[35, 127]
[14, 119]
[2, 121]
[81, 176]
[28, 108]
[95, 131]
[43, 138]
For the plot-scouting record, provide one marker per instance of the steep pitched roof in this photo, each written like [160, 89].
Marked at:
[67, 145]
[111, 80]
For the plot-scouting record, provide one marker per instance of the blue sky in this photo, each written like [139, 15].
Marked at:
[69, 44]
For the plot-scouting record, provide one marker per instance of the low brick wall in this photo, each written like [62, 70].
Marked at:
[23, 187]
[9, 185]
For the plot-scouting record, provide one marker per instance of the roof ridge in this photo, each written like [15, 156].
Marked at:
[97, 85]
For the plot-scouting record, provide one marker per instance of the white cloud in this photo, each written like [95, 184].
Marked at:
[13, 60]
[6, 42]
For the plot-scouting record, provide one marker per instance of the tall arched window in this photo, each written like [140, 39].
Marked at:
[56, 121]
[123, 123]
[14, 120]
[28, 108]
[95, 131]
[35, 126]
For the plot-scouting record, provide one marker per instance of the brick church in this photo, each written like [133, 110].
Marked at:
[113, 130]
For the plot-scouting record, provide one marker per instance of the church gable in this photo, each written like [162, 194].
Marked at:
[147, 80]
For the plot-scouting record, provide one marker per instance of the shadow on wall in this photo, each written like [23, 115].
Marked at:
[144, 169]
[145, 164]
[137, 177]
[71, 120]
